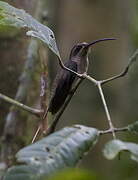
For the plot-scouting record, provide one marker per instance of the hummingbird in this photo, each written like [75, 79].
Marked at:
[78, 62]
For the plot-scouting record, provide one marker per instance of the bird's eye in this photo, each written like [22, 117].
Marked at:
[75, 50]
[78, 48]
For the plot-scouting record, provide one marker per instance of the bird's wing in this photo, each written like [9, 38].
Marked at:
[62, 85]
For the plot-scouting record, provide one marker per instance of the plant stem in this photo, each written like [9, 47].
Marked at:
[106, 110]
[115, 130]
[33, 111]
[36, 133]
[132, 59]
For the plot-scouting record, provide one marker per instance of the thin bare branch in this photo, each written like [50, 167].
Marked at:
[106, 110]
[86, 76]
[115, 130]
[36, 133]
[33, 111]
[132, 59]
[98, 84]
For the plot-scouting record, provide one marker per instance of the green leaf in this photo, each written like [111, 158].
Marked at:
[114, 147]
[133, 127]
[11, 16]
[74, 174]
[23, 172]
[60, 150]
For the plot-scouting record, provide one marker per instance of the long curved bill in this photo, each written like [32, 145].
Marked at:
[99, 40]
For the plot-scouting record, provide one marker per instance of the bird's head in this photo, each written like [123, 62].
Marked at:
[82, 49]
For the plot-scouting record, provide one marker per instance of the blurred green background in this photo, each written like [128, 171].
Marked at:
[74, 22]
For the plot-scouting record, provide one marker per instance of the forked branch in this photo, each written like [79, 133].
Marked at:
[99, 85]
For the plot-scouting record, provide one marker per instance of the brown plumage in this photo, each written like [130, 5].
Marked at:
[78, 62]
[64, 79]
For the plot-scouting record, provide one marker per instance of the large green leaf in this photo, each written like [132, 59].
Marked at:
[114, 147]
[59, 150]
[11, 16]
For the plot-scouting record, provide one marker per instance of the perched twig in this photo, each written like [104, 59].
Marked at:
[33, 111]
[89, 44]
[68, 69]
[86, 76]
[98, 84]
[57, 118]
